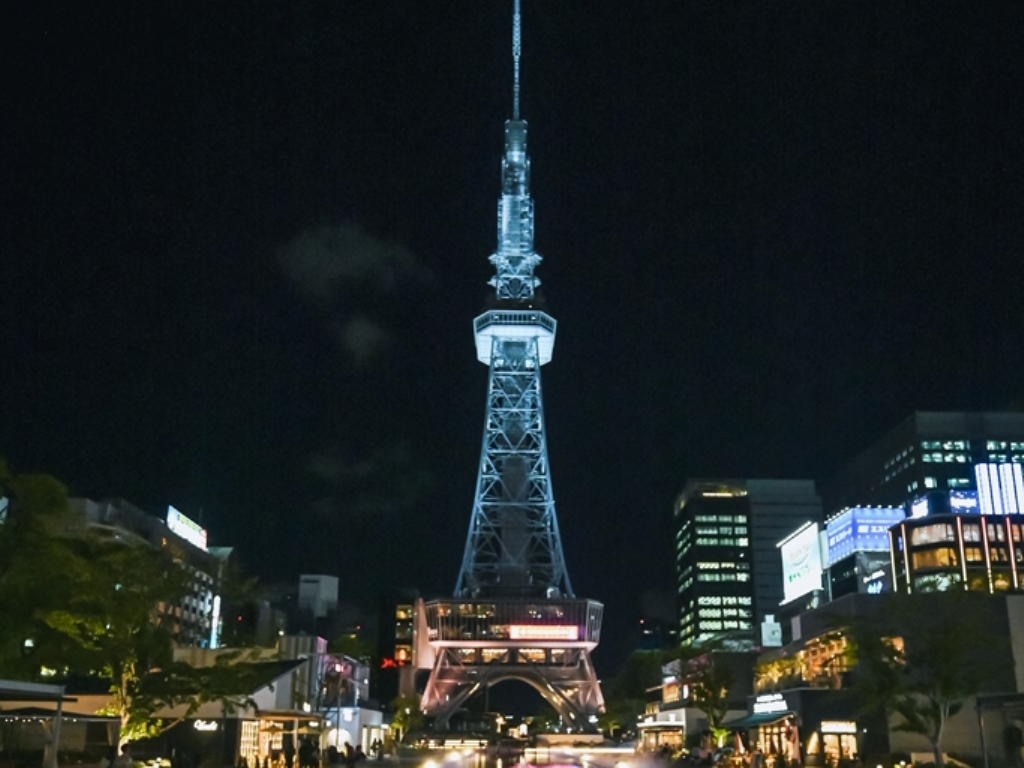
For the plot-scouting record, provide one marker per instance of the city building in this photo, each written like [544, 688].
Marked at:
[318, 594]
[928, 451]
[728, 569]
[936, 552]
[197, 618]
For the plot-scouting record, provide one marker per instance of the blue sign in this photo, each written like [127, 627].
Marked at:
[860, 529]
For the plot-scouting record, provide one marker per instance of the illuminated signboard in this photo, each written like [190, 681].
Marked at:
[1000, 488]
[188, 529]
[544, 632]
[964, 502]
[801, 562]
[769, 703]
[215, 623]
[860, 529]
[838, 726]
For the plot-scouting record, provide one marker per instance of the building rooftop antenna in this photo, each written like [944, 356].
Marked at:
[517, 49]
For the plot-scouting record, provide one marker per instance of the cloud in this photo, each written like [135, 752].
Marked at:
[362, 338]
[381, 483]
[355, 279]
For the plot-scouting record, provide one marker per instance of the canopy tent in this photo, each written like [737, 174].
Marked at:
[16, 690]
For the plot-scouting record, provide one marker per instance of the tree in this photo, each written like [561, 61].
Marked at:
[710, 678]
[80, 605]
[114, 621]
[707, 670]
[407, 715]
[33, 561]
[921, 656]
[627, 692]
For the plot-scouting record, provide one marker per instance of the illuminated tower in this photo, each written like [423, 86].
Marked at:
[514, 615]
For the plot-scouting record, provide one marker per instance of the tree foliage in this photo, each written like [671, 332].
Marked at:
[407, 715]
[626, 694]
[921, 657]
[79, 605]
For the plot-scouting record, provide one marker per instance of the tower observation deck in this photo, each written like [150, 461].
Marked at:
[514, 614]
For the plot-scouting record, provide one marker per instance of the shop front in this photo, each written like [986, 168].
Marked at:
[806, 726]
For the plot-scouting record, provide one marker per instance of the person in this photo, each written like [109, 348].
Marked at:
[360, 755]
[107, 761]
[349, 757]
[124, 760]
[333, 756]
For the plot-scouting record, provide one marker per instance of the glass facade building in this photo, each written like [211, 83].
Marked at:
[728, 570]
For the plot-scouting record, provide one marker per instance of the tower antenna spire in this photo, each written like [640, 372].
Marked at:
[517, 50]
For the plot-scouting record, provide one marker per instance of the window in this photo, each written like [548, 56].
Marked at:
[931, 482]
[973, 554]
[996, 532]
[972, 532]
[928, 534]
[943, 557]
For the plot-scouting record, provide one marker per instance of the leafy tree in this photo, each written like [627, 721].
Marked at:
[922, 656]
[83, 605]
[407, 715]
[627, 692]
[707, 670]
[710, 678]
[33, 562]
[115, 620]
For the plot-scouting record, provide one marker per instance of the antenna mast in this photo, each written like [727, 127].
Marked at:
[517, 49]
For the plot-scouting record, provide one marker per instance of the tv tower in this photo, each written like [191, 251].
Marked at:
[514, 615]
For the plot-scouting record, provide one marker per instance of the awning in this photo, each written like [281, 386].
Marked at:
[755, 721]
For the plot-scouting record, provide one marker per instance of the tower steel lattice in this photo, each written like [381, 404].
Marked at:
[514, 615]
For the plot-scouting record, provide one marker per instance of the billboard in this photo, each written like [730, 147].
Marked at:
[801, 562]
[860, 529]
[188, 529]
[1000, 488]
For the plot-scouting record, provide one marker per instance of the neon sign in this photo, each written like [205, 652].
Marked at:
[544, 632]
[188, 529]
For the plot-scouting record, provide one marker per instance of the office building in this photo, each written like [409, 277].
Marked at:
[929, 451]
[728, 568]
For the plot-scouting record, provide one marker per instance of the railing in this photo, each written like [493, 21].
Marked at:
[515, 621]
[514, 317]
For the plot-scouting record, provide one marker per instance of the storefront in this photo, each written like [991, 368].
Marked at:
[808, 726]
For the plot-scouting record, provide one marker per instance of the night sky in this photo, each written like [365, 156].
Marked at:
[243, 244]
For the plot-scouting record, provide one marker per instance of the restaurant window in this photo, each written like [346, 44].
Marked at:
[942, 557]
[973, 554]
[998, 555]
[928, 534]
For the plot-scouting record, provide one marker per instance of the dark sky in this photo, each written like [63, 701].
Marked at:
[243, 244]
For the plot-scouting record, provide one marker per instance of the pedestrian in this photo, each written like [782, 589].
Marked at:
[124, 760]
[107, 761]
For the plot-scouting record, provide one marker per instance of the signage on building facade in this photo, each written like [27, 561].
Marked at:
[1000, 488]
[860, 529]
[770, 703]
[544, 632]
[838, 726]
[188, 529]
[801, 562]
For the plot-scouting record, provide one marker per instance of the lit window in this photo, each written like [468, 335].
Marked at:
[931, 482]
